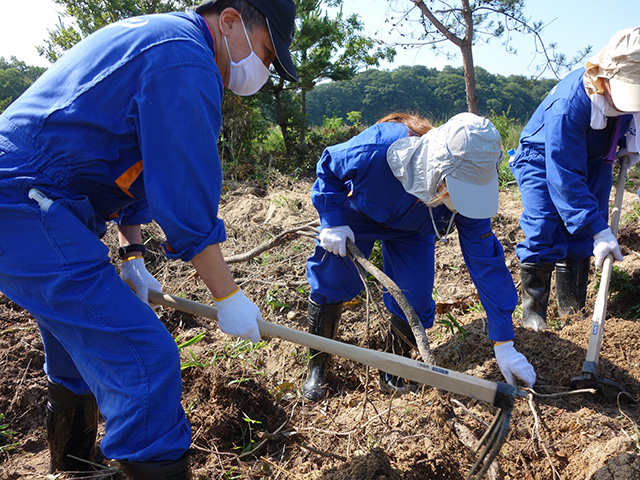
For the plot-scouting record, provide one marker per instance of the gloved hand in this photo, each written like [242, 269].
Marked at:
[634, 157]
[238, 316]
[334, 239]
[139, 279]
[514, 364]
[604, 243]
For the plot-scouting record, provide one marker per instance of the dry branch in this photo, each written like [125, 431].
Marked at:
[284, 237]
[356, 256]
[394, 290]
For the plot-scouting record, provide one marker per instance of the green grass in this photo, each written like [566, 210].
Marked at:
[6, 435]
[453, 327]
[239, 350]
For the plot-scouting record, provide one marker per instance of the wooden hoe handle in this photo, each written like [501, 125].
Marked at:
[495, 393]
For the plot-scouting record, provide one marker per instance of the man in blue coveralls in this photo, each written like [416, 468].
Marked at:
[564, 168]
[402, 182]
[124, 127]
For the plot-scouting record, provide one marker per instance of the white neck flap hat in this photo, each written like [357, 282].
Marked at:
[619, 61]
[466, 151]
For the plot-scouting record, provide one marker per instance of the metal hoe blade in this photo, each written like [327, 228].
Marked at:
[608, 389]
[492, 441]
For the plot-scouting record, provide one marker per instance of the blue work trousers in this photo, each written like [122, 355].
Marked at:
[408, 259]
[98, 336]
[546, 238]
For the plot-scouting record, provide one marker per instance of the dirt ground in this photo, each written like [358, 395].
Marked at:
[250, 421]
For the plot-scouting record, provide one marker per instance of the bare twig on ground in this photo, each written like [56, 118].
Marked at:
[265, 440]
[19, 387]
[279, 468]
[284, 237]
[359, 427]
[536, 432]
[560, 394]
[635, 425]
[469, 412]
[321, 452]
[363, 277]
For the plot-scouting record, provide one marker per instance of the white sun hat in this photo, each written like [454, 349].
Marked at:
[619, 61]
[466, 151]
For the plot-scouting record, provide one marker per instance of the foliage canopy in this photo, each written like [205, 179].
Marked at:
[435, 94]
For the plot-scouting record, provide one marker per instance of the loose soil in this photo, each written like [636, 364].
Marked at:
[250, 421]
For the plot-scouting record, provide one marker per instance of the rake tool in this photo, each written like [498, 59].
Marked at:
[500, 394]
[589, 378]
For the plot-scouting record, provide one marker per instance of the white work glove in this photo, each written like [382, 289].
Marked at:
[604, 243]
[238, 316]
[334, 239]
[514, 364]
[139, 279]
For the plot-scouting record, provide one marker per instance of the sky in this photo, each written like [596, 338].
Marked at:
[571, 24]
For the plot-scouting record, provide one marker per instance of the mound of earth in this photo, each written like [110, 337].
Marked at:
[250, 421]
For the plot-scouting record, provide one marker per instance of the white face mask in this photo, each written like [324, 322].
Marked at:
[248, 75]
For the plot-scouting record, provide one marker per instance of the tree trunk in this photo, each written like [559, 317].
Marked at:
[469, 79]
[282, 121]
[303, 129]
[466, 47]
[464, 44]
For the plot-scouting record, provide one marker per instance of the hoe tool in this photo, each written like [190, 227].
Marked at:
[589, 378]
[500, 394]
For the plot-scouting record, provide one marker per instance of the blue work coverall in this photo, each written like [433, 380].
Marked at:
[564, 174]
[123, 127]
[356, 187]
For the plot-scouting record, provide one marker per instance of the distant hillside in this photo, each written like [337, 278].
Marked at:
[15, 78]
[435, 94]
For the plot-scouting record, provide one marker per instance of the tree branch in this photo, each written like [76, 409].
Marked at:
[439, 25]
[357, 256]
[394, 290]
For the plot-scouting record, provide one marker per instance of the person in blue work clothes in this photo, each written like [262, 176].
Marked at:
[564, 168]
[403, 182]
[124, 127]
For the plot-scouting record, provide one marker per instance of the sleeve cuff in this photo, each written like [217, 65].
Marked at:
[186, 252]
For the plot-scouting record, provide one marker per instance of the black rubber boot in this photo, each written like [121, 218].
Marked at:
[169, 470]
[323, 321]
[536, 283]
[572, 277]
[400, 341]
[72, 426]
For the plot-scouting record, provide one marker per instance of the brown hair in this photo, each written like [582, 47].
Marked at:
[416, 124]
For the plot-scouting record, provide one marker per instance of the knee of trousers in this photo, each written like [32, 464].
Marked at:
[146, 420]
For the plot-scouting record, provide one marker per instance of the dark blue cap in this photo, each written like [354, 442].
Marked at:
[280, 16]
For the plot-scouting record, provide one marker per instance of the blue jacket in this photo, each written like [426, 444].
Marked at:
[560, 132]
[129, 118]
[357, 171]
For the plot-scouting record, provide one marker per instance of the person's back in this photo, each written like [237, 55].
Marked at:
[568, 100]
[85, 122]
[563, 167]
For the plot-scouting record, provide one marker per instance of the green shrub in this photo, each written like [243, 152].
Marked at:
[509, 130]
